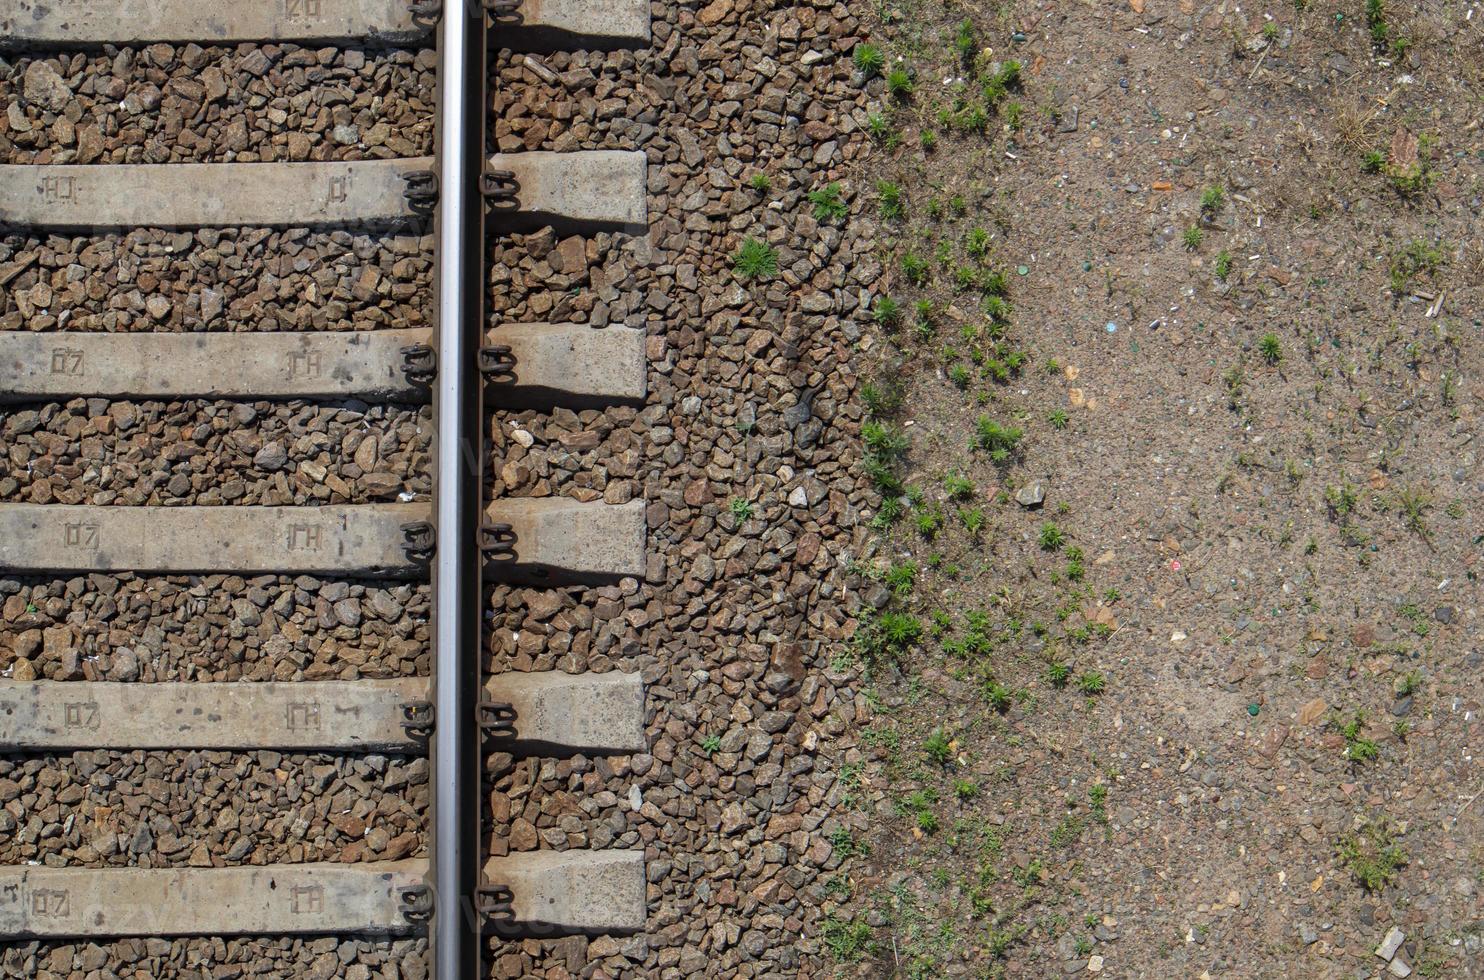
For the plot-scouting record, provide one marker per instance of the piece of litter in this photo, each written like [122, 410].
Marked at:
[1111, 327]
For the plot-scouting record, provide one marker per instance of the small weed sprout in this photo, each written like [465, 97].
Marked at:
[1091, 683]
[899, 83]
[977, 244]
[963, 41]
[883, 441]
[1075, 569]
[1358, 748]
[1192, 238]
[845, 844]
[998, 440]
[1409, 684]
[928, 522]
[973, 520]
[869, 59]
[1372, 854]
[1270, 348]
[996, 695]
[1051, 537]
[1001, 83]
[915, 268]
[893, 208]
[741, 509]
[1058, 674]
[1223, 265]
[938, 748]
[1341, 499]
[1097, 798]
[1057, 419]
[882, 398]
[1414, 504]
[1235, 379]
[888, 635]
[755, 259]
[1418, 258]
[900, 578]
[710, 744]
[827, 203]
[1375, 18]
[761, 182]
[1213, 198]
[887, 312]
[846, 939]
[929, 141]
[958, 487]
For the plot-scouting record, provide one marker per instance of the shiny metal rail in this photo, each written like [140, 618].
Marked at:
[455, 937]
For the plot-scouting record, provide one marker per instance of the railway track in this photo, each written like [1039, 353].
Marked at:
[456, 539]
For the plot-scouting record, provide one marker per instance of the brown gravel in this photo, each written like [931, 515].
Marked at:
[184, 959]
[159, 104]
[210, 809]
[95, 451]
[185, 103]
[1191, 819]
[237, 279]
[211, 628]
[734, 624]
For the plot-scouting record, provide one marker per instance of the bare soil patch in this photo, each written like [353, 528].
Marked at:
[1172, 641]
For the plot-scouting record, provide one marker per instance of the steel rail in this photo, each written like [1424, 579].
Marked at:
[455, 860]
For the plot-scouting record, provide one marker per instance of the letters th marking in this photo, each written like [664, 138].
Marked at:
[305, 537]
[307, 899]
[305, 364]
[303, 716]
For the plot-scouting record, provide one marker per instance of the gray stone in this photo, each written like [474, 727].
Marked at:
[1030, 497]
[1389, 945]
[42, 86]
[271, 457]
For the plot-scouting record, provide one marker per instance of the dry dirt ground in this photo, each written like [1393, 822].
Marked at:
[1207, 276]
